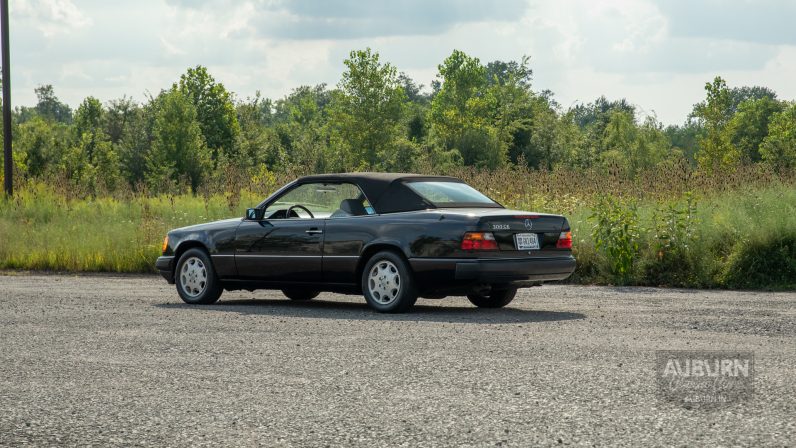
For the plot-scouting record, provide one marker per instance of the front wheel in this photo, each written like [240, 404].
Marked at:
[387, 283]
[196, 279]
[495, 299]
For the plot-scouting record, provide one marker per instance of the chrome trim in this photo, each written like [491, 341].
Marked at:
[277, 256]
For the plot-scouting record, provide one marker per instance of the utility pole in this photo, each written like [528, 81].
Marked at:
[9, 163]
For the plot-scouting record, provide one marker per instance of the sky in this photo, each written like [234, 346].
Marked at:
[656, 53]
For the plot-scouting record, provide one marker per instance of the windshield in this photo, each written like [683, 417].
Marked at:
[451, 194]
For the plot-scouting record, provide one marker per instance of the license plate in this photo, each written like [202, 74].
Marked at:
[526, 241]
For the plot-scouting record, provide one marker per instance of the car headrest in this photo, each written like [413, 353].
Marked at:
[353, 207]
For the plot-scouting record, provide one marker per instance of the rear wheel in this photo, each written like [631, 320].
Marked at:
[300, 294]
[196, 279]
[387, 283]
[495, 299]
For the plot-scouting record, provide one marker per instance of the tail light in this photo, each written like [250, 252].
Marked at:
[479, 241]
[564, 240]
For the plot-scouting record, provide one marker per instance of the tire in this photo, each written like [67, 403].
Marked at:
[387, 283]
[300, 294]
[195, 278]
[495, 299]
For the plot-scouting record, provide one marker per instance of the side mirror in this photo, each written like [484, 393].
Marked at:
[255, 214]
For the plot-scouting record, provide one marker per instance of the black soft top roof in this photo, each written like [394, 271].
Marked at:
[385, 191]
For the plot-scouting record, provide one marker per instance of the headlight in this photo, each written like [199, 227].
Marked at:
[165, 244]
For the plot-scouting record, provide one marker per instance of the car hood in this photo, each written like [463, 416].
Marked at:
[209, 225]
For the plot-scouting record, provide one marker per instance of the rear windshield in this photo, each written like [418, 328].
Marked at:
[451, 194]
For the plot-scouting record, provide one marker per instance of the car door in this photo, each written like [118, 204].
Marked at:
[277, 250]
[347, 231]
[286, 245]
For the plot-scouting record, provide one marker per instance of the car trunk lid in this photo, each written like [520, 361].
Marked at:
[523, 234]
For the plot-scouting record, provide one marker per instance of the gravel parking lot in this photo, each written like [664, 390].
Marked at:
[119, 360]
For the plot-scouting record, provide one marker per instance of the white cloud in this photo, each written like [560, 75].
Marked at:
[656, 53]
[51, 17]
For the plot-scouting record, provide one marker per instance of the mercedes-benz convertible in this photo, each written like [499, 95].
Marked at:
[390, 237]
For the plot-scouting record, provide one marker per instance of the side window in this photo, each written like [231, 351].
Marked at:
[322, 200]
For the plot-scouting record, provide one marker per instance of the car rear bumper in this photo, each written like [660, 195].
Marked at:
[438, 271]
[165, 265]
[498, 271]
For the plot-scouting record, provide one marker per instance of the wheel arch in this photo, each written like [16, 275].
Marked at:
[372, 249]
[183, 247]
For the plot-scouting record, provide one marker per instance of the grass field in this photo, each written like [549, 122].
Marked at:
[674, 228]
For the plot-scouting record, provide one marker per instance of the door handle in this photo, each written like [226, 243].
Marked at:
[314, 231]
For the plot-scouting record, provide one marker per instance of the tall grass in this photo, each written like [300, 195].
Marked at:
[738, 239]
[42, 230]
[732, 229]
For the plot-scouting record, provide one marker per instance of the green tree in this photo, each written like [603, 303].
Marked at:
[91, 161]
[779, 147]
[652, 147]
[577, 149]
[595, 116]
[258, 143]
[592, 120]
[214, 110]
[749, 126]
[135, 142]
[631, 147]
[469, 118]
[178, 149]
[511, 72]
[119, 117]
[414, 92]
[301, 127]
[43, 143]
[88, 118]
[50, 107]
[619, 140]
[684, 138]
[525, 121]
[92, 165]
[463, 79]
[714, 114]
[741, 94]
[366, 111]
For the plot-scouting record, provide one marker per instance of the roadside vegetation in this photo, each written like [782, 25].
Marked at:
[709, 203]
[733, 230]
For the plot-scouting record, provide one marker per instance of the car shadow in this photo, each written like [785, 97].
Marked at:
[425, 312]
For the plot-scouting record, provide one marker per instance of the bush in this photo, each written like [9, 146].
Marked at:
[669, 260]
[588, 269]
[762, 263]
[616, 236]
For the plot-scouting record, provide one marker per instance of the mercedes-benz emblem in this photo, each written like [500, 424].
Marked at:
[528, 224]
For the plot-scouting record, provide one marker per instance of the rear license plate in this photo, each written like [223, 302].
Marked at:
[526, 241]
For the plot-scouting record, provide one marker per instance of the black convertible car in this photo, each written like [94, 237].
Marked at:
[391, 237]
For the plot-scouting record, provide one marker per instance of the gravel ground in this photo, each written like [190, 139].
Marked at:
[119, 360]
